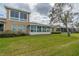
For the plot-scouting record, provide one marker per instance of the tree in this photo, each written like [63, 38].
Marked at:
[62, 12]
[77, 26]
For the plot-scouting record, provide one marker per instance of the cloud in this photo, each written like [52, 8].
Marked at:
[21, 6]
[2, 11]
[43, 8]
[40, 13]
[24, 6]
[38, 18]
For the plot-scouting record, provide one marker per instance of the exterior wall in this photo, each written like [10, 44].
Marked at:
[37, 33]
[8, 27]
[9, 23]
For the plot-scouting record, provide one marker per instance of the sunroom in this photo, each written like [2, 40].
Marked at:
[36, 28]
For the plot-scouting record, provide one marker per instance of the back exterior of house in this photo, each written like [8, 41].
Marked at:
[18, 21]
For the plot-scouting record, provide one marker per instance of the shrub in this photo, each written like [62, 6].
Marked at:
[11, 34]
[57, 32]
[20, 34]
[7, 34]
[76, 32]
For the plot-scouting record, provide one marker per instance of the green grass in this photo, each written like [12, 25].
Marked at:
[44, 45]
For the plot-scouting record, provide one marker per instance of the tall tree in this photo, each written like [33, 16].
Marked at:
[62, 12]
[77, 26]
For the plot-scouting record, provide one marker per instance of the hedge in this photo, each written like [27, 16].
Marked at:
[11, 34]
[57, 32]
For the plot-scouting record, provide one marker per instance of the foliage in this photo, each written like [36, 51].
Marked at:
[57, 32]
[11, 34]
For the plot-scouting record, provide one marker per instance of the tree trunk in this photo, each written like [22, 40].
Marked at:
[68, 32]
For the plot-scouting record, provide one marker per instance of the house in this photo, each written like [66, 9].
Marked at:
[62, 28]
[18, 20]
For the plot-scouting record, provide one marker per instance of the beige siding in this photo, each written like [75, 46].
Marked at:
[9, 23]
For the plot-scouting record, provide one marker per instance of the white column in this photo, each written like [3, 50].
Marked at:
[9, 13]
[30, 27]
[41, 29]
[50, 29]
[46, 28]
[36, 28]
[19, 15]
[27, 17]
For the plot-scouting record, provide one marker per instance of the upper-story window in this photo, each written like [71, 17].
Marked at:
[23, 16]
[18, 15]
[14, 15]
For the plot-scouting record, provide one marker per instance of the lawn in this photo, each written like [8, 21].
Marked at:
[40, 45]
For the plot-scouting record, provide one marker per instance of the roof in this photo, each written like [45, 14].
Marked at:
[18, 9]
[40, 24]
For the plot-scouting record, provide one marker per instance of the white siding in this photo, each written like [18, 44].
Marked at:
[37, 33]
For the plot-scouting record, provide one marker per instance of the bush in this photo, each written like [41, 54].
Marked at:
[11, 34]
[57, 32]
[76, 32]
[7, 34]
[20, 34]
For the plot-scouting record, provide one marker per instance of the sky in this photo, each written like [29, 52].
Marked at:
[39, 11]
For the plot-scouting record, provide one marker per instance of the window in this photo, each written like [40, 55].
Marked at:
[23, 16]
[33, 28]
[44, 29]
[38, 28]
[14, 28]
[18, 15]
[48, 29]
[28, 27]
[14, 15]
[21, 27]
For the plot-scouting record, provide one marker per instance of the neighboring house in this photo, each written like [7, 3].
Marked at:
[63, 28]
[17, 20]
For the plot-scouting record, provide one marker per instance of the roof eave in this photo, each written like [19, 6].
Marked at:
[16, 9]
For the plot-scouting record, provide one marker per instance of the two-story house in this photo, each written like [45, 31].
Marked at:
[17, 20]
